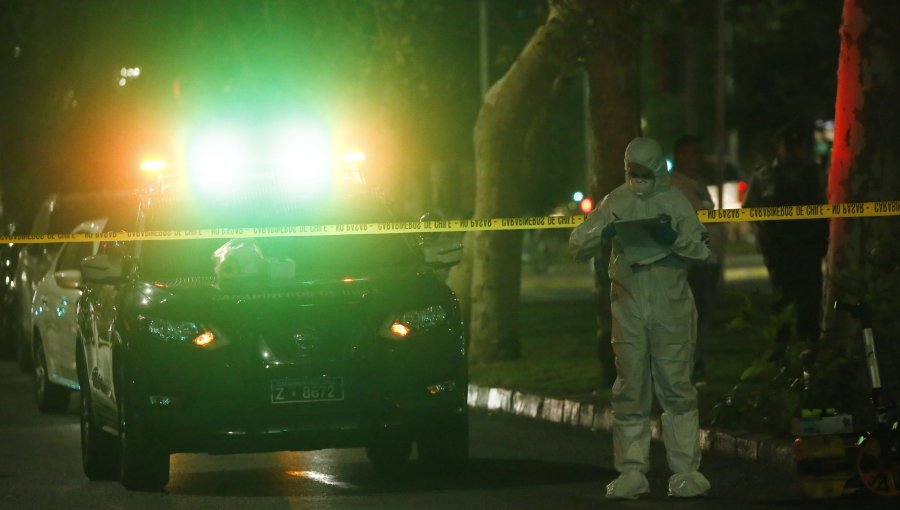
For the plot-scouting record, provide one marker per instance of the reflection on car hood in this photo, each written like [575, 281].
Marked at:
[333, 288]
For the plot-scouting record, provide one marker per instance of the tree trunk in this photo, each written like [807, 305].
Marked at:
[506, 116]
[613, 66]
[862, 262]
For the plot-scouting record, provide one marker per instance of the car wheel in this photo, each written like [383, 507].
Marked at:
[99, 450]
[142, 466]
[389, 451]
[444, 447]
[51, 398]
[7, 339]
[23, 352]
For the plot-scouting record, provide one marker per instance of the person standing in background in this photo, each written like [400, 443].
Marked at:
[792, 249]
[687, 177]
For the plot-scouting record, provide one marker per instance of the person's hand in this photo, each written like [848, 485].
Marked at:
[609, 232]
[662, 232]
[589, 249]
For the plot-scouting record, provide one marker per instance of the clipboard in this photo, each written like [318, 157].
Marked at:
[638, 246]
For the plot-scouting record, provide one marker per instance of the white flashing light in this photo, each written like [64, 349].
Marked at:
[128, 73]
[354, 156]
[299, 157]
[217, 160]
[302, 160]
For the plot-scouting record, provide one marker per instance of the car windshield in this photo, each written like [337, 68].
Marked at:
[311, 255]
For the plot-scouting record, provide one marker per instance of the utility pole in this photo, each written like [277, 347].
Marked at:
[720, 85]
[484, 64]
[588, 130]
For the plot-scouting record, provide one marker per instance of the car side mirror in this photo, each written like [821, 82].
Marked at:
[68, 278]
[34, 250]
[442, 252]
[102, 268]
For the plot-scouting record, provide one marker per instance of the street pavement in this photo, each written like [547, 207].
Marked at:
[517, 463]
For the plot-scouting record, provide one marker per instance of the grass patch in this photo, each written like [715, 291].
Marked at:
[559, 352]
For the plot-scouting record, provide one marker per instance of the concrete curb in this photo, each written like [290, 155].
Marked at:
[769, 452]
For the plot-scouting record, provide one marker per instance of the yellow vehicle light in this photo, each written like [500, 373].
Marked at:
[400, 330]
[204, 339]
[153, 165]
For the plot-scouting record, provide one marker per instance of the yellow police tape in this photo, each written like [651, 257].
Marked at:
[796, 212]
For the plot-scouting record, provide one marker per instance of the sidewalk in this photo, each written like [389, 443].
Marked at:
[574, 282]
[769, 452]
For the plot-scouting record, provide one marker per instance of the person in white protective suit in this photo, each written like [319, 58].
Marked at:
[654, 322]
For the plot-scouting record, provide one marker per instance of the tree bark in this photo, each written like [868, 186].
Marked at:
[613, 66]
[506, 116]
[862, 261]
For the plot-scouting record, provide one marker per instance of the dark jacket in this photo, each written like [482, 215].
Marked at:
[780, 185]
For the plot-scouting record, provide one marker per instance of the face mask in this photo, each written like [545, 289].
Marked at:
[640, 187]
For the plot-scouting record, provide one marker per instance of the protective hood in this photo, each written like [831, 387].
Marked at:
[647, 152]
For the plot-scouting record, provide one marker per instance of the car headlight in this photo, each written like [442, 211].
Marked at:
[182, 332]
[407, 323]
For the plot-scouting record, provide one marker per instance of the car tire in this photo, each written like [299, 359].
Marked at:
[389, 451]
[23, 350]
[7, 339]
[50, 397]
[444, 447]
[99, 450]
[142, 466]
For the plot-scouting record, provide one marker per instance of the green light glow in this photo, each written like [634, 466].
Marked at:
[302, 160]
[217, 160]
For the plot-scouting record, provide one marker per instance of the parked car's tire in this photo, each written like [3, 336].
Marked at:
[389, 451]
[7, 339]
[23, 349]
[99, 450]
[50, 397]
[444, 447]
[142, 465]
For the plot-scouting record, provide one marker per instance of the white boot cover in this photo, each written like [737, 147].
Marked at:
[681, 435]
[629, 485]
[688, 485]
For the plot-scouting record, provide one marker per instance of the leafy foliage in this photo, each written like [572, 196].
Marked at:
[771, 389]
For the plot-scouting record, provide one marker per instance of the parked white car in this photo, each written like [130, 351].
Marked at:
[55, 322]
[59, 214]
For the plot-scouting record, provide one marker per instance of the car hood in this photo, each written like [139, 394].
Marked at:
[335, 316]
[202, 294]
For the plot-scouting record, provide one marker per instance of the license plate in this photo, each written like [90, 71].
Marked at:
[307, 389]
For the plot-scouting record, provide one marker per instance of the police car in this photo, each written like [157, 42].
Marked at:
[276, 342]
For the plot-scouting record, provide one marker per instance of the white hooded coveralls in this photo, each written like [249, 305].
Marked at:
[654, 324]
